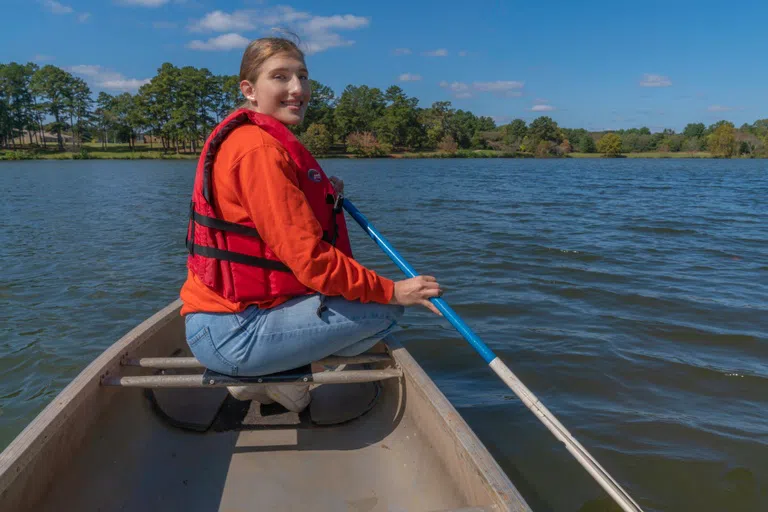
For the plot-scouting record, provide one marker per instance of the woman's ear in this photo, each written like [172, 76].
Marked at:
[248, 91]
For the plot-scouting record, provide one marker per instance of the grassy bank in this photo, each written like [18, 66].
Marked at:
[648, 154]
[145, 152]
[95, 152]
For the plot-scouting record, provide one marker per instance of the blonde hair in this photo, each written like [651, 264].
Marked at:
[262, 49]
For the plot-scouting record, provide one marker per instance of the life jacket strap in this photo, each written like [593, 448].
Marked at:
[223, 225]
[236, 257]
[221, 254]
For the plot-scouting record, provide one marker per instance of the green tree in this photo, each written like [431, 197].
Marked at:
[609, 144]
[357, 109]
[448, 144]
[760, 127]
[160, 96]
[436, 120]
[485, 124]
[226, 96]
[722, 140]
[587, 144]
[317, 138]
[462, 126]
[77, 103]
[125, 118]
[18, 110]
[694, 130]
[104, 116]
[672, 143]
[399, 124]
[51, 84]
[545, 129]
[515, 132]
[320, 108]
[692, 145]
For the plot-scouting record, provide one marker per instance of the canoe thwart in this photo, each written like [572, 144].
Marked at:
[191, 362]
[211, 379]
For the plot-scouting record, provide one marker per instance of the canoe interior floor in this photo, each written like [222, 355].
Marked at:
[133, 461]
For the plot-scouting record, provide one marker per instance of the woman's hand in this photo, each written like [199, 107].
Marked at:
[417, 290]
[338, 184]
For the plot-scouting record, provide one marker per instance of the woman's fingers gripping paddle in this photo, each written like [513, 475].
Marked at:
[417, 290]
[338, 184]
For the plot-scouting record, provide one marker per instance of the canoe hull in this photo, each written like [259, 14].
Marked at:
[103, 448]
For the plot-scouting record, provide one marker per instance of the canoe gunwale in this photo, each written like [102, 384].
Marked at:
[482, 464]
[21, 458]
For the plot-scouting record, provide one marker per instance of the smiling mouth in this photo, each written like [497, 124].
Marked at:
[295, 104]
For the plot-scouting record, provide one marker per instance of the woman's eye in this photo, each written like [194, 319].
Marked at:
[279, 77]
[303, 77]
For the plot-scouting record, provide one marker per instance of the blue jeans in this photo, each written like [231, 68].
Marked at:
[263, 341]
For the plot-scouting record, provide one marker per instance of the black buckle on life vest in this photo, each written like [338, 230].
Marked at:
[322, 308]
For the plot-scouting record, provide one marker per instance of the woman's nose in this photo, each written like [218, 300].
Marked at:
[295, 86]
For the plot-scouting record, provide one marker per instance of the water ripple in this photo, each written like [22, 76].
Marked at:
[630, 296]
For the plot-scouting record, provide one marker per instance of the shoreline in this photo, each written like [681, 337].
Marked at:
[122, 152]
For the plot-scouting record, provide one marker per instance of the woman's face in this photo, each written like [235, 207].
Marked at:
[282, 89]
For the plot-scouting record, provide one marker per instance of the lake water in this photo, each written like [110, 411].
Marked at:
[630, 295]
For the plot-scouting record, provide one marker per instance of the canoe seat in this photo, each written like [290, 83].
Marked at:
[187, 395]
[211, 379]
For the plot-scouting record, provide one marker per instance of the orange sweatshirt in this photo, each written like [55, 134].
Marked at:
[254, 178]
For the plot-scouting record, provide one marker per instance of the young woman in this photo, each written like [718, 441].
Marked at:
[271, 281]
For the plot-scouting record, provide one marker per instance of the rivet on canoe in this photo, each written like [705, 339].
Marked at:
[210, 381]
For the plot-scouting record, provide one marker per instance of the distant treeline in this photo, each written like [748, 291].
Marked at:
[43, 107]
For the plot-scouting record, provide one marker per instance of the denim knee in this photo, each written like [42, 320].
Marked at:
[395, 312]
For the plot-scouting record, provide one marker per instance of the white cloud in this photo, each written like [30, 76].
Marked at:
[402, 51]
[655, 81]
[323, 41]
[345, 22]
[459, 89]
[318, 33]
[719, 108]
[107, 79]
[220, 43]
[56, 7]
[408, 77]
[506, 88]
[219, 21]
[440, 52]
[281, 14]
[542, 108]
[143, 3]
[500, 87]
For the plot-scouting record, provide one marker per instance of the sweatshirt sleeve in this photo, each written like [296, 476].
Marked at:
[266, 185]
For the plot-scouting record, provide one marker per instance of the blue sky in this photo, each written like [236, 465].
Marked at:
[594, 64]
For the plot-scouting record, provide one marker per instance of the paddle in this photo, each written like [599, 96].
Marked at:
[602, 477]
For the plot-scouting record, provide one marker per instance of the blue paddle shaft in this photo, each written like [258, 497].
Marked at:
[409, 271]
